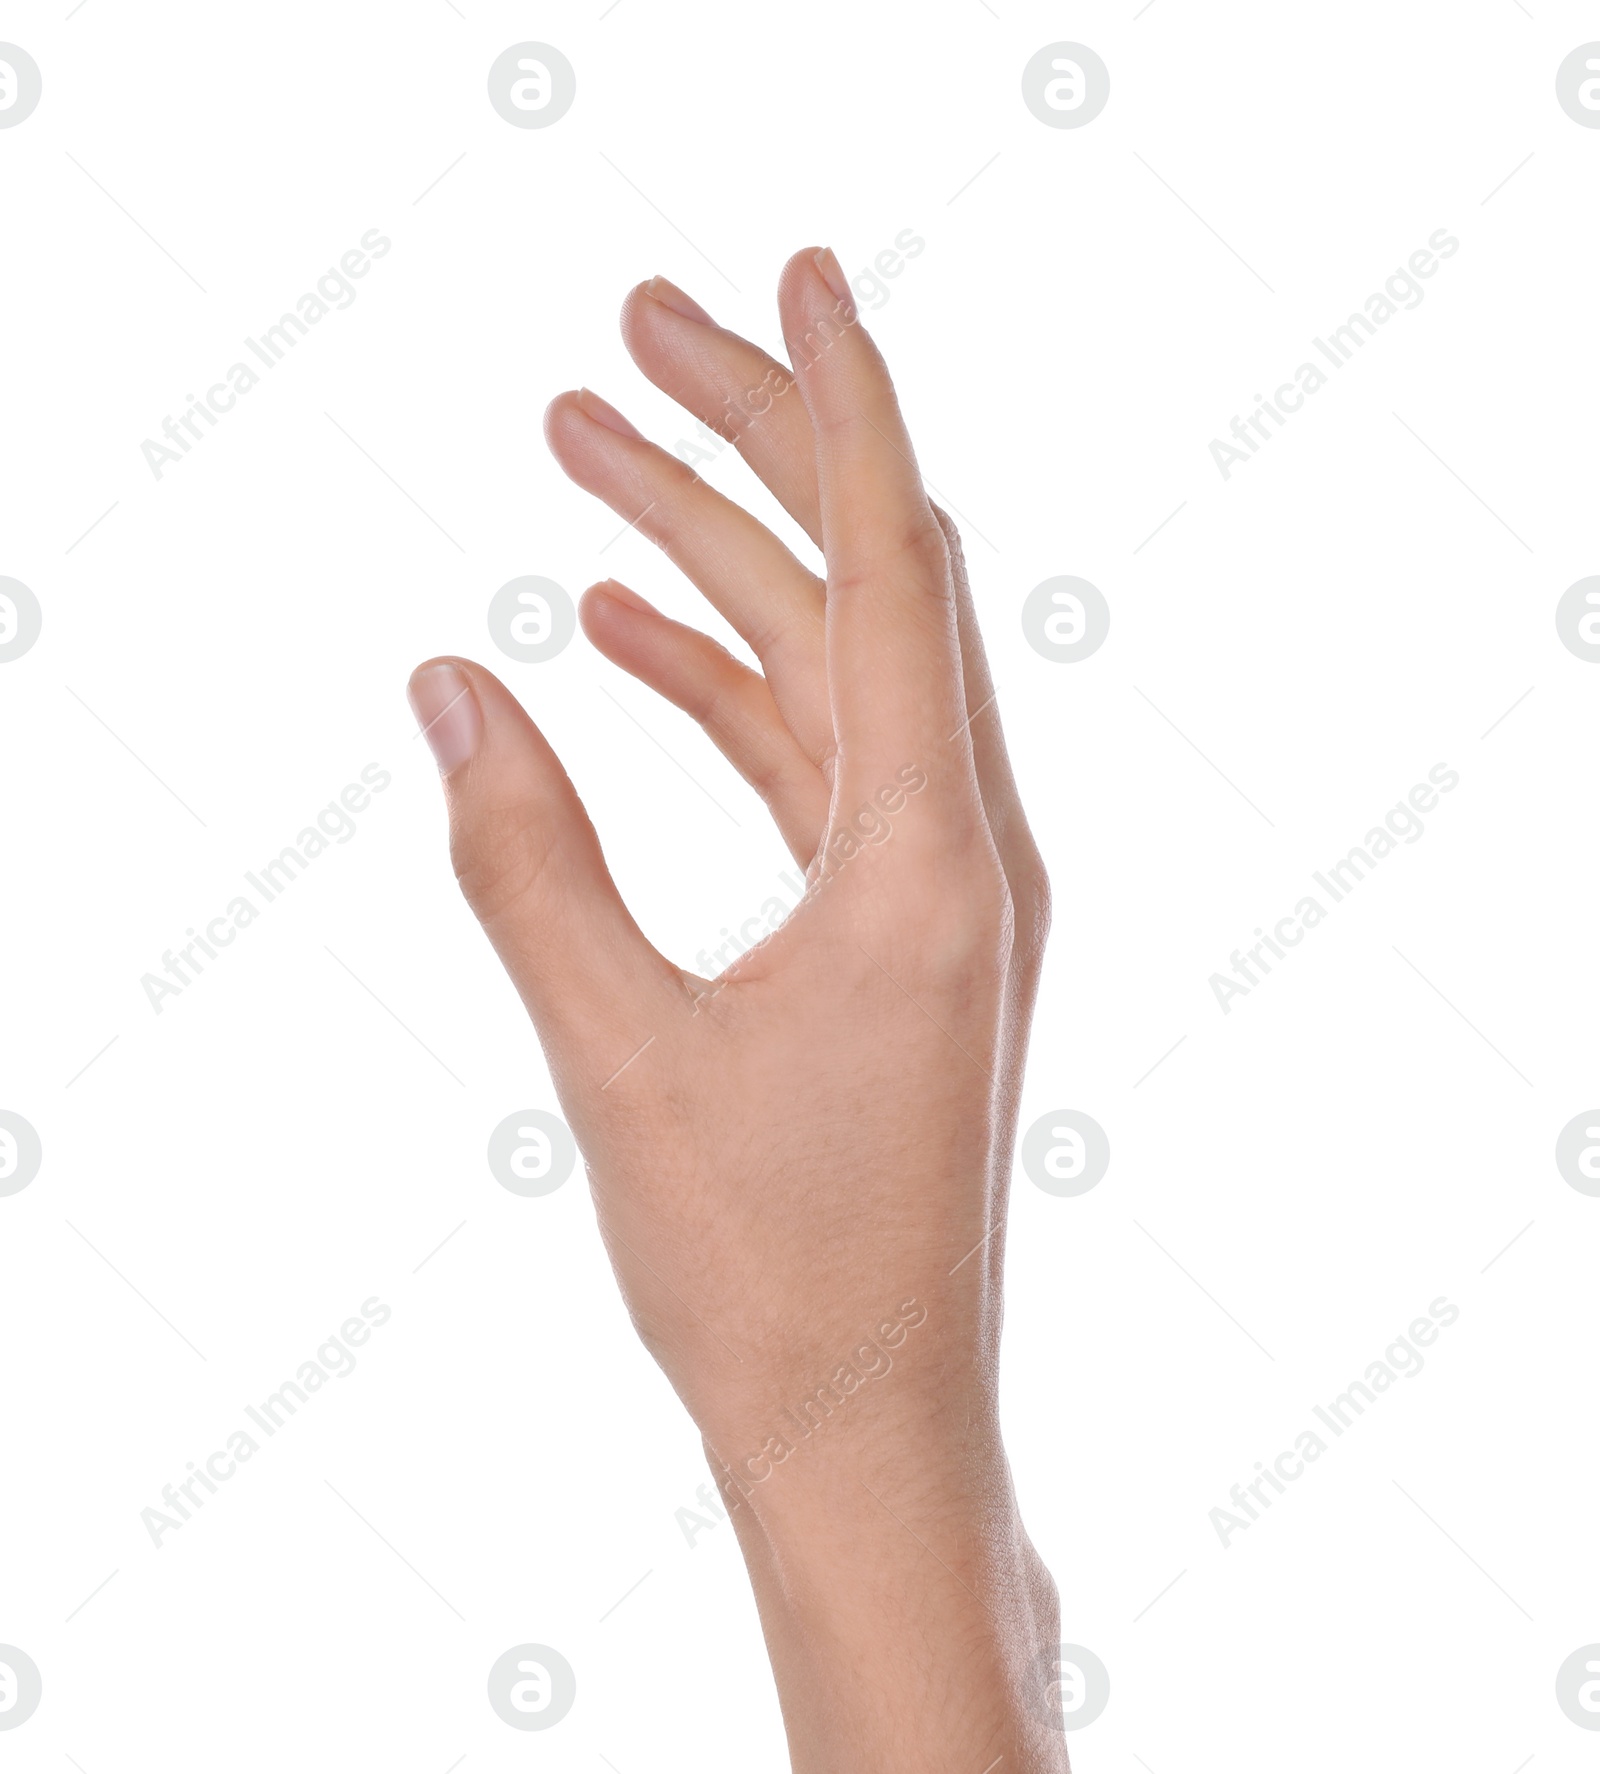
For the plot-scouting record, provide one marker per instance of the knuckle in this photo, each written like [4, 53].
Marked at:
[767, 772]
[1032, 899]
[947, 527]
[714, 708]
[787, 640]
[962, 915]
[953, 544]
[677, 477]
[499, 860]
[729, 710]
[672, 495]
[715, 696]
[919, 551]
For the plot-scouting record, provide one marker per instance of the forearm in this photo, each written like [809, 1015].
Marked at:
[908, 1617]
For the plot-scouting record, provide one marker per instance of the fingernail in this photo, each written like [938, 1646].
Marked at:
[603, 413]
[832, 275]
[668, 294]
[447, 712]
[625, 595]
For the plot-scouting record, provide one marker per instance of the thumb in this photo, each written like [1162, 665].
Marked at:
[530, 866]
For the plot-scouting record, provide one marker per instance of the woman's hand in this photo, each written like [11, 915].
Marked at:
[800, 1168]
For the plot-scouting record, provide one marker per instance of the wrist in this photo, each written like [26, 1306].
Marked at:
[858, 1515]
[904, 1606]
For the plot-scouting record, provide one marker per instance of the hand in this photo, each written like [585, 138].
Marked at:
[800, 1167]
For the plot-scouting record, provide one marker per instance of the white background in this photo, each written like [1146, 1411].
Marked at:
[1363, 1134]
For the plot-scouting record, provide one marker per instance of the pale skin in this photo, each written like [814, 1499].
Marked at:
[800, 1169]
